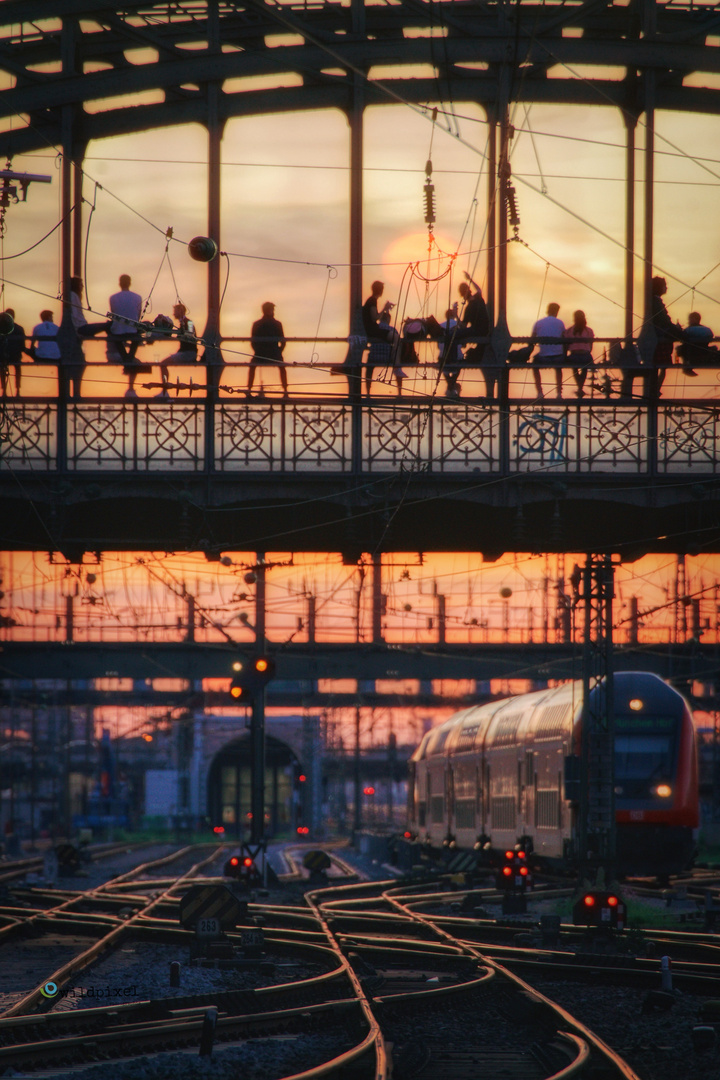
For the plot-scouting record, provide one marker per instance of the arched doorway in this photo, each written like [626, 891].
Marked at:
[229, 787]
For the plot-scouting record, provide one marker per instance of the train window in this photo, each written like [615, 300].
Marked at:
[642, 757]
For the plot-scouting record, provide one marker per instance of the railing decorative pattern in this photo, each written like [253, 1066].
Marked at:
[331, 438]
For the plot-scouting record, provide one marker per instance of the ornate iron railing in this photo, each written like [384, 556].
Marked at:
[442, 437]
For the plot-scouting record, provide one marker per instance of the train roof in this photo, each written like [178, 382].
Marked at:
[541, 714]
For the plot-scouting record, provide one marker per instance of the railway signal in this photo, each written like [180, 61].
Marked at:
[243, 869]
[250, 674]
[512, 880]
[603, 909]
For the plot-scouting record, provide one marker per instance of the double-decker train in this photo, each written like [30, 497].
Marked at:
[494, 775]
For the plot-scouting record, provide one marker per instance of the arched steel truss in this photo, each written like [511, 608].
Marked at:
[60, 54]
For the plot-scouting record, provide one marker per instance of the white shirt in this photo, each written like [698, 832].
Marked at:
[549, 326]
[76, 311]
[129, 305]
[46, 350]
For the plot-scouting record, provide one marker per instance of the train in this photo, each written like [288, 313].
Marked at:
[497, 775]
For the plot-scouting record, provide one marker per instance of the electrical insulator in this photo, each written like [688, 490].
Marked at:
[429, 192]
[512, 205]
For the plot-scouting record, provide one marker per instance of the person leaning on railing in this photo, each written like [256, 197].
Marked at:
[695, 349]
[580, 341]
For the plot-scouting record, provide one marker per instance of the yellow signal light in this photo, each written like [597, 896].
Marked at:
[261, 664]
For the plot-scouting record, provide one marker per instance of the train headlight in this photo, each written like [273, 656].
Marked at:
[664, 791]
[635, 704]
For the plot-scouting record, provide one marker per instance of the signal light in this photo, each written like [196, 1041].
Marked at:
[601, 909]
[247, 861]
[612, 901]
[234, 861]
[302, 778]
[368, 791]
[507, 871]
[521, 854]
[589, 901]
[407, 835]
[237, 690]
[524, 870]
[509, 854]
[219, 829]
[303, 830]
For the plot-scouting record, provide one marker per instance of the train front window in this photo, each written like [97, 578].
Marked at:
[640, 759]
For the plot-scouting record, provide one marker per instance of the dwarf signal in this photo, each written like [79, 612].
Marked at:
[600, 909]
[515, 873]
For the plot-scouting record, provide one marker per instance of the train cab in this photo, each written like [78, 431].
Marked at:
[656, 778]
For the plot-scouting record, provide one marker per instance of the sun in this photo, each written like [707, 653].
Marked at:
[412, 248]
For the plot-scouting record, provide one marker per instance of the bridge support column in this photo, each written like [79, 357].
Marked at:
[630, 125]
[491, 113]
[212, 354]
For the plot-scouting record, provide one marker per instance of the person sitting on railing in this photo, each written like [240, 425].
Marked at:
[581, 338]
[186, 354]
[43, 340]
[385, 352]
[382, 337]
[550, 353]
[695, 347]
[13, 349]
[267, 339]
[126, 305]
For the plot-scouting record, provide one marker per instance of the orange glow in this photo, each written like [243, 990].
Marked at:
[413, 248]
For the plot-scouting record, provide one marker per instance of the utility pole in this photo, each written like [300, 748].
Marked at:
[257, 721]
[597, 831]
[357, 816]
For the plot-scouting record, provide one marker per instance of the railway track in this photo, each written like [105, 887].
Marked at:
[365, 982]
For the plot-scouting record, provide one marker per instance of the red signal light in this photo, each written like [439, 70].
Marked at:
[302, 778]
[407, 835]
[509, 854]
[507, 871]
[247, 861]
[368, 791]
[261, 664]
[234, 861]
[219, 829]
[523, 870]
[589, 901]
[612, 901]
[521, 854]
[237, 692]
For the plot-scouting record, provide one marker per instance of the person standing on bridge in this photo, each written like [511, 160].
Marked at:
[268, 343]
[667, 333]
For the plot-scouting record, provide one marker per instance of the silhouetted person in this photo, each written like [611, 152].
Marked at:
[267, 339]
[13, 349]
[187, 353]
[580, 340]
[549, 353]
[695, 347]
[450, 354]
[667, 332]
[379, 332]
[76, 371]
[384, 352]
[475, 322]
[43, 341]
[126, 306]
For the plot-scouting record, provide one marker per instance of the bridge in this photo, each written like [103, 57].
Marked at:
[210, 472]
